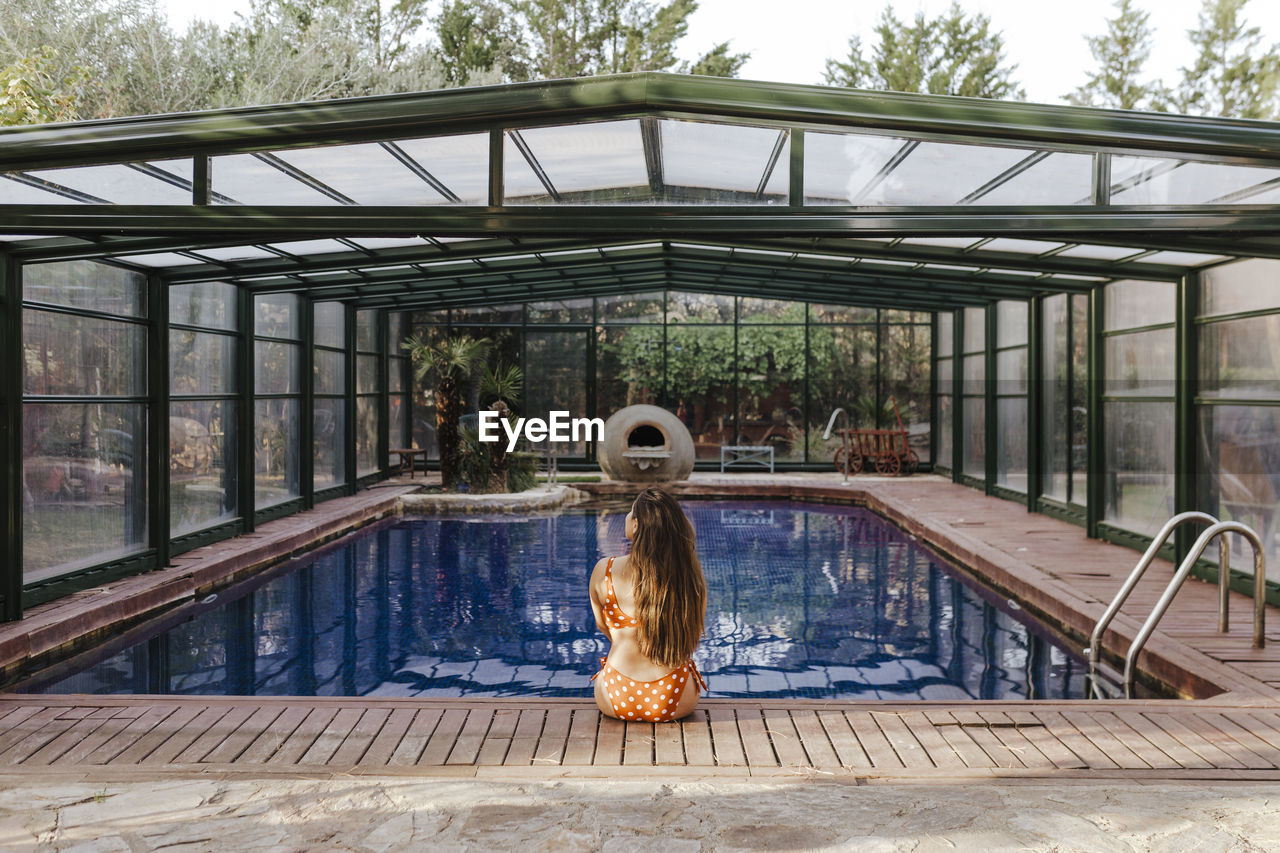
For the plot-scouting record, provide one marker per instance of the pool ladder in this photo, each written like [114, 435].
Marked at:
[1217, 528]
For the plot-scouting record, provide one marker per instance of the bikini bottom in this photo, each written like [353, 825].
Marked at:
[651, 701]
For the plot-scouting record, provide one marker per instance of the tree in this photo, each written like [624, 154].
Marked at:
[949, 55]
[1120, 53]
[451, 361]
[476, 38]
[31, 94]
[1229, 76]
[501, 385]
[719, 62]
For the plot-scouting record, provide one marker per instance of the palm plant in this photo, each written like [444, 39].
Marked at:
[452, 360]
[501, 384]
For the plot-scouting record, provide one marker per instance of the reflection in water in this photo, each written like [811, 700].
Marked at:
[804, 601]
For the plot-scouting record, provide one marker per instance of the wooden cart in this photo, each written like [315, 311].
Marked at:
[885, 449]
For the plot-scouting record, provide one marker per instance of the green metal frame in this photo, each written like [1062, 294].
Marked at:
[11, 439]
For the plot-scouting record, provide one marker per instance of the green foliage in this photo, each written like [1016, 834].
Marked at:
[1120, 53]
[476, 38]
[522, 471]
[31, 93]
[949, 55]
[454, 358]
[719, 62]
[1232, 75]
[502, 382]
[475, 465]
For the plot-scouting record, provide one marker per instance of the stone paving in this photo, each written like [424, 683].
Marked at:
[804, 812]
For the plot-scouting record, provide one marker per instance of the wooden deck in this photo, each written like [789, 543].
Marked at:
[548, 738]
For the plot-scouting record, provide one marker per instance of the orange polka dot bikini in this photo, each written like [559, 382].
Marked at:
[651, 701]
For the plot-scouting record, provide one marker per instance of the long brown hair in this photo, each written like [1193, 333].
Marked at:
[671, 593]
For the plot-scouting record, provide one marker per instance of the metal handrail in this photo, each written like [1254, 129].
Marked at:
[1259, 591]
[845, 438]
[1095, 639]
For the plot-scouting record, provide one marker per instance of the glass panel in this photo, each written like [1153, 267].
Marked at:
[275, 456]
[1141, 364]
[700, 369]
[397, 423]
[1079, 396]
[1011, 371]
[975, 329]
[699, 307]
[366, 435]
[561, 311]
[1151, 180]
[863, 169]
[276, 368]
[396, 374]
[395, 331]
[1011, 443]
[84, 284]
[904, 372]
[946, 330]
[459, 163]
[1138, 482]
[1240, 455]
[14, 191]
[629, 367]
[423, 411]
[367, 174]
[841, 314]
[594, 163]
[771, 362]
[752, 310]
[277, 315]
[85, 491]
[631, 308]
[975, 436]
[118, 184]
[1011, 323]
[202, 464]
[246, 179]
[211, 304]
[945, 376]
[330, 320]
[367, 374]
[1241, 358]
[975, 375]
[1055, 412]
[557, 364]
[842, 373]
[367, 331]
[201, 363]
[894, 315]
[1130, 304]
[488, 314]
[329, 443]
[330, 372]
[1250, 285]
[946, 409]
[731, 158]
[66, 354]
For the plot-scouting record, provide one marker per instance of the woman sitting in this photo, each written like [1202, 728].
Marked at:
[650, 604]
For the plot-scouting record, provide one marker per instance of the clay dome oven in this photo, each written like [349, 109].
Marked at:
[645, 444]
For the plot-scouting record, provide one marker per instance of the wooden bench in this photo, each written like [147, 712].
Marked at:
[751, 454]
[407, 455]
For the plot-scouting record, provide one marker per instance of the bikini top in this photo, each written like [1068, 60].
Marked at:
[612, 612]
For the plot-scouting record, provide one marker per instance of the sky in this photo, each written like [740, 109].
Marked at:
[789, 42]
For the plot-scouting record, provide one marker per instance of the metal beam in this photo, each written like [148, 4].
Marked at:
[11, 439]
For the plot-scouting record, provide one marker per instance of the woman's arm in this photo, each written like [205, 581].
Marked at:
[597, 578]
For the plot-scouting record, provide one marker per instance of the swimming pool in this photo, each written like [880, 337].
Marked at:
[804, 601]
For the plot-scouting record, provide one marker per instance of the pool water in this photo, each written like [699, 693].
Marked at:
[804, 600]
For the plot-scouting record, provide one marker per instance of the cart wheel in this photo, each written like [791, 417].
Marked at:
[888, 464]
[838, 458]
[913, 462]
[856, 462]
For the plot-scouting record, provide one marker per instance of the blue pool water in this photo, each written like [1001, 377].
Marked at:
[804, 600]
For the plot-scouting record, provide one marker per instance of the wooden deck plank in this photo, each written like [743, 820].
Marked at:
[466, 746]
[30, 744]
[524, 743]
[384, 745]
[27, 727]
[1126, 758]
[1140, 745]
[668, 745]
[1072, 739]
[248, 731]
[139, 740]
[17, 714]
[848, 750]
[1265, 726]
[1243, 736]
[274, 735]
[695, 731]
[441, 742]
[177, 739]
[935, 745]
[726, 740]
[498, 739]
[361, 737]
[554, 738]
[581, 746]
[1192, 740]
[1167, 744]
[1224, 742]
[817, 746]
[872, 739]
[786, 739]
[609, 739]
[1058, 753]
[416, 736]
[296, 744]
[82, 729]
[904, 743]
[1015, 740]
[110, 730]
[214, 735]
[637, 747]
[973, 755]
[755, 739]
